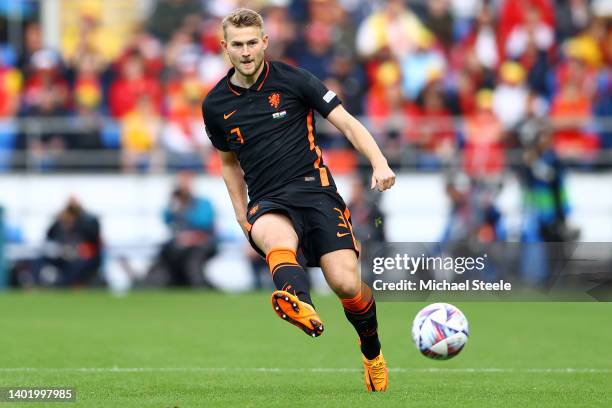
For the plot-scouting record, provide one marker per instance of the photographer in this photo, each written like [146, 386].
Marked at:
[72, 250]
[193, 242]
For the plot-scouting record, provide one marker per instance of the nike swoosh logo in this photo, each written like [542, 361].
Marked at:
[339, 235]
[227, 115]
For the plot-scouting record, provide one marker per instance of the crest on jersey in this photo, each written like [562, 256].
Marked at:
[274, 99]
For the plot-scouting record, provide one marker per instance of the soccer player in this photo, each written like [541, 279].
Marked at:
[260, 118]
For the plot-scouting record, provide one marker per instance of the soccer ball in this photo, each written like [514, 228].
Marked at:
[440, 331]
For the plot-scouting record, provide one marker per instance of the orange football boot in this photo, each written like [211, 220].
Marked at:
[376, 373]
[288, 307]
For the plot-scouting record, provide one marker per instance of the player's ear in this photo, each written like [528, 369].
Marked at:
[264, 40]
[224, 44]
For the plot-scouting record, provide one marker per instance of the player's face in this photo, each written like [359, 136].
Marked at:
[245, 47]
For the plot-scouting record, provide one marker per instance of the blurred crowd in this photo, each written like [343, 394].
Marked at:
[435, 81]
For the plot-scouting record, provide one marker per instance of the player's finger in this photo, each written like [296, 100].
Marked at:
[391, 181]
[384, 184]
[373, 184]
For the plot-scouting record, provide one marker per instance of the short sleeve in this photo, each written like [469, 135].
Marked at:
[213, 131]
[315, 93]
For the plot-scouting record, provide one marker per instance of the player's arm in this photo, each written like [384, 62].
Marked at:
[232, 173]
[233, 176]
[382, 176]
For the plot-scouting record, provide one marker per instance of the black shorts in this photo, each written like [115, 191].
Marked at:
[319, 216]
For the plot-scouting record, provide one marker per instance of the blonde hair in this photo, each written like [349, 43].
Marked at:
[242, 17]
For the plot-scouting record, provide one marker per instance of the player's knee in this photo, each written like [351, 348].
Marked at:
[347, 288]
[274, 231]
[279, 241]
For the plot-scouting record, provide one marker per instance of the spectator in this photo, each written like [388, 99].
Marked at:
[131, 85]
[482, 41]
[278, 26]
[386, 108]
[464, 13]
[587, 45]
[87, 83]
[573, 16]
[350, 78]
[571, 114]
[543, 177]
[191, 220]
[45, 77]
[517, 13]
[474, 216]
[86, 137]
[510, 95]
[483, 155]
[180, 44]
[33, 42]
[46, 132]
[170, 14]
[88, 98]
[425, 63]
[140, 130]
[149, 48]
[533, 31]
[73, 248]
[183, 136]
[545, 203]
[433, 127]
[391, 31]
[439, 20]
[316, 57]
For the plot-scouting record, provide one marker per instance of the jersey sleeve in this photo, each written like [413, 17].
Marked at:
[213, 131]
[315, 93]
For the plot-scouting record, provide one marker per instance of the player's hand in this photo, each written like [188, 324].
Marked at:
[382, 178]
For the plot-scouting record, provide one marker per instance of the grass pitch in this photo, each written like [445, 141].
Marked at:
[199, 349]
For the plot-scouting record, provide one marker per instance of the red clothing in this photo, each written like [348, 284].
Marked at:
[573, 141]
[10, 86]
[124, 94]
[513, 12]
[483, 154]
[39, 83]
[430, 129]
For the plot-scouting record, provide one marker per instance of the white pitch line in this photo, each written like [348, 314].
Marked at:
[298, 370]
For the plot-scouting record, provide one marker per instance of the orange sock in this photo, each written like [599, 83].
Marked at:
[361, 313]
[287, 273]
[361, 303]
[279, 257]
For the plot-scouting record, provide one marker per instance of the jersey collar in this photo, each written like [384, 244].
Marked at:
[237, 90]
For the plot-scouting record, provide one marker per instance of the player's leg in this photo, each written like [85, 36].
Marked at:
[342, 274]
[341, 271]
[275, 235]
